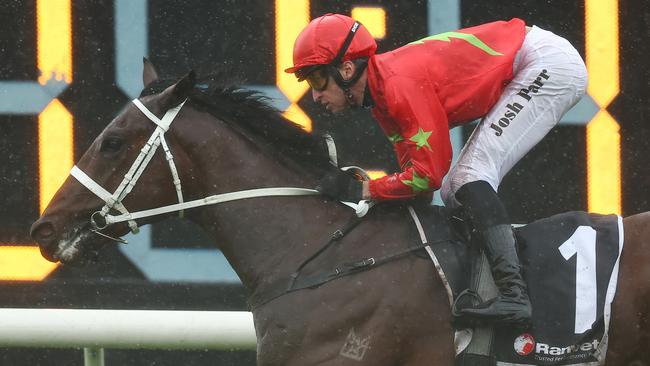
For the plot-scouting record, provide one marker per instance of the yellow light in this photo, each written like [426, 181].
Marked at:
[23, 263]
[373, 18]
[55, 149]
[54, 53]
[54, 40]
[601, 37]
[603, 136]
[603, 169]
[374, 174]
[291, 16]
[298, 116]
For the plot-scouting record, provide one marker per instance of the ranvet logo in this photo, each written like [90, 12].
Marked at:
[524, 344]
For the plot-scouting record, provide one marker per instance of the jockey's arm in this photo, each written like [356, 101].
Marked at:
[421, 140]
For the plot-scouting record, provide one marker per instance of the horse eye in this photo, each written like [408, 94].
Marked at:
[111, 145]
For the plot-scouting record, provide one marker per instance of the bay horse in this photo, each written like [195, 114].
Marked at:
[226, 139]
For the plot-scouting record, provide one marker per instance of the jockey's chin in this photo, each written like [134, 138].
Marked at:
[336, 108]
[335, 102]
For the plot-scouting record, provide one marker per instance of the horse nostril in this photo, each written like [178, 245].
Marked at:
[42, 231]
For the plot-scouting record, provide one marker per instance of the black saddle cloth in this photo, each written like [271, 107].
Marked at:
[570, 262]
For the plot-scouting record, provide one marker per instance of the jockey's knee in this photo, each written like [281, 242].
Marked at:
[454, 181]
[448, 194]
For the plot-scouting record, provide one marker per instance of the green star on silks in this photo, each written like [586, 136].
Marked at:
[421, 138]
[418, 184]
[395, 138]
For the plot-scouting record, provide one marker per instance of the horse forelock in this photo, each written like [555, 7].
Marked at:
[249, 113]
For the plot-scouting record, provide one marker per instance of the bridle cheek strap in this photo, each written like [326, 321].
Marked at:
[175, 178]
[164, 124]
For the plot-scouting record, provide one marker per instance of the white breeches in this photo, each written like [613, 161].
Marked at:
[550, 78]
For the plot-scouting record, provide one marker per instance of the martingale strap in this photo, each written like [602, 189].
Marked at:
[296, 282]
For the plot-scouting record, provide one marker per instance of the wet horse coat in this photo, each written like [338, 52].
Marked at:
[225, 140]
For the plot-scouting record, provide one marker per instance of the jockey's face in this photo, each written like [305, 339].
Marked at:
[332, 97]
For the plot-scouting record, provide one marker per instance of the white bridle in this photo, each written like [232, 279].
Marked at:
[114, 200]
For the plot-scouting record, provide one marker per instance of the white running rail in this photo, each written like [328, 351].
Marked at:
[95, 330]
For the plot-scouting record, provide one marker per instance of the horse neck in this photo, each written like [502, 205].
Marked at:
[266, 238]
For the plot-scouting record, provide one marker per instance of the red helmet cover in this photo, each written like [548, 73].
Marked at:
[322, 39]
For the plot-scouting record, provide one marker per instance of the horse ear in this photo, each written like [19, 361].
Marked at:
[177, 93]
[185, 85]
[149, 73]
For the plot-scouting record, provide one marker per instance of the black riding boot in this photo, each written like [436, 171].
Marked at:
[489, 218]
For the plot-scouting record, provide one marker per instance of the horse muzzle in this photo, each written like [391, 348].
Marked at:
[44, 232]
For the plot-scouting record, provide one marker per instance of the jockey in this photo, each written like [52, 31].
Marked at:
[519, 80]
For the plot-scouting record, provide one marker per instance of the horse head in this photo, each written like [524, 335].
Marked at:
[215, 139]
[65, 231]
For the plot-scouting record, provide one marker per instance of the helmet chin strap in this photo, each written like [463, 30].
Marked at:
[359, 63]
[350, 98]
[346, 85]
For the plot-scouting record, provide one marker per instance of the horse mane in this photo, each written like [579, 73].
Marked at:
[252, 116]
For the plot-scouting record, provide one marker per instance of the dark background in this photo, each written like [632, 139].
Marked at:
[239, 36]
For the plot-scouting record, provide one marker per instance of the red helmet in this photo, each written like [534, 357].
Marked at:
[322, 39]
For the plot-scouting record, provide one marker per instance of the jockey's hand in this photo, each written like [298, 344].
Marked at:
[341, 185]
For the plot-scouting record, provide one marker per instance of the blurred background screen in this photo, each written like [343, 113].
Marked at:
[68, 67]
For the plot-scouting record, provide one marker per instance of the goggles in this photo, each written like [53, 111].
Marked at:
[318, 78]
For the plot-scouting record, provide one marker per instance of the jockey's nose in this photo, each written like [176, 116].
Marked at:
[315, 94]
[44, 232]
